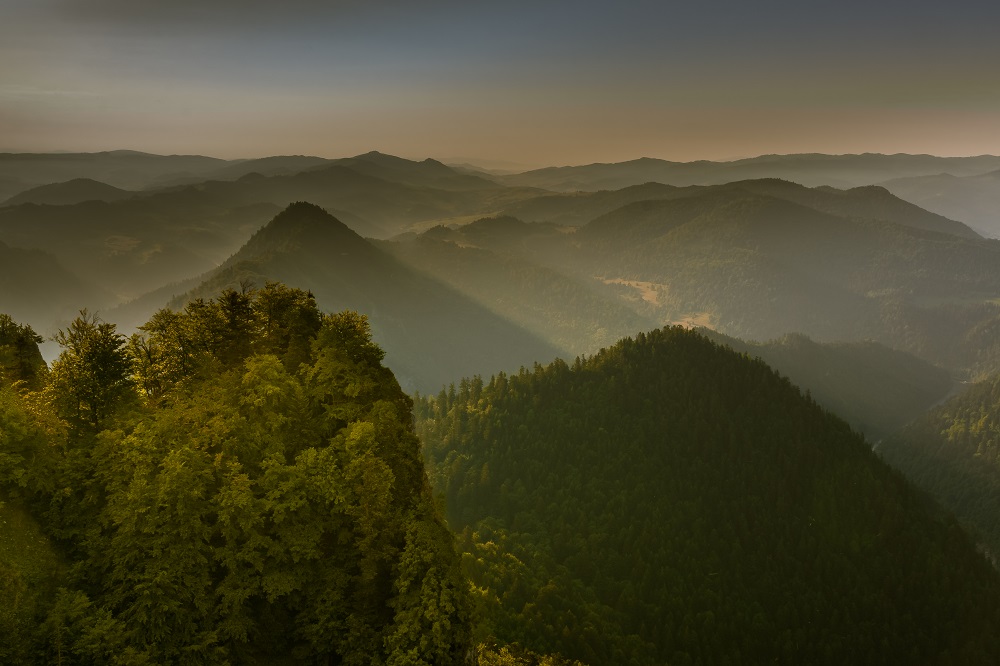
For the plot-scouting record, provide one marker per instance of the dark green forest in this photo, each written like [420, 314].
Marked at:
[954, 453]
[237, 483]
[670, 501]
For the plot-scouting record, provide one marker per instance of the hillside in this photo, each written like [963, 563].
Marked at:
[71, 192]
[974, 199]
[953, 453]
[874, 389]
[668, 501]
[758, 267]
[567, 313]
[125, 169]
[431, 332]
[872, 203]
[35, 288]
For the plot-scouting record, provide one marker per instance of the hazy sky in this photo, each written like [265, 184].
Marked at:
[559, 82]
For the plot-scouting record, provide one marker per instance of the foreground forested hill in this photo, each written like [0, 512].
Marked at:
[669, 501]
[240, 483]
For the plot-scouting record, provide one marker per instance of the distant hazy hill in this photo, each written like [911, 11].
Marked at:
[121, 168]
[71, 192]
[954, 453]
[875, 389]
[578, 208]
[973, 199]
[426, 173]
[760, 267]
[868, 202]
[759, 259]
[379, 195]
[36, 289]
[277, 165]
[807, 169]
[668, 501]
[432, 333]
[137, 245]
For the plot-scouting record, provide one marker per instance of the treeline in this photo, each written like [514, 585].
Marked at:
[670, 501]
[238, 483]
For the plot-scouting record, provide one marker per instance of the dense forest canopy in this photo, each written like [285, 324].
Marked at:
[671, 501]
[237, 483]
[954, 453]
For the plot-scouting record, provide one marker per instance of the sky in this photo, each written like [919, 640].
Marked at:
[515, 83]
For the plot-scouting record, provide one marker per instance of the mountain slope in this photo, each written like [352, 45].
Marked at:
[126, 169]
[36, 289]
[758, 267]
[563, 311]
[71, 192]
[134, 246]
[432, 334]
[669, 501]
[974, 199]
[873, 203]
[875, 389]
[953, 453]
[427, 173]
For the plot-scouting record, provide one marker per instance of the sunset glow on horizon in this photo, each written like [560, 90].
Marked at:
[519, 83]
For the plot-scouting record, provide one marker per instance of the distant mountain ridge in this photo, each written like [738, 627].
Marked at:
[806, 169]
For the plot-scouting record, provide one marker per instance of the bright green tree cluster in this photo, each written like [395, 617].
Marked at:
[239, 483]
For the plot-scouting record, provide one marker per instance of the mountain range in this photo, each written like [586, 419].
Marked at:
[624, 489]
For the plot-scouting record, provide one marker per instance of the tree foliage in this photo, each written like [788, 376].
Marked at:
[239, 483]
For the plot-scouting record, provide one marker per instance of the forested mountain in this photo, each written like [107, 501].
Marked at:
[240, 483]
[807, 169]
[875, 389]
[974, 199]
[670, 501]
[73, 191]
[431, 332]
[953, 452]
